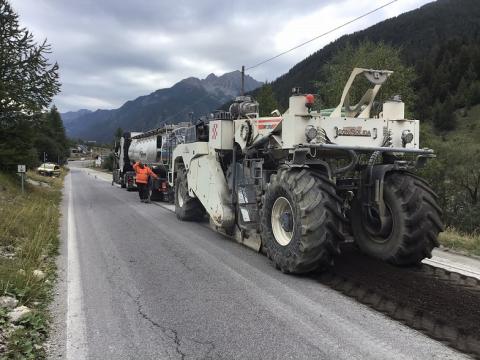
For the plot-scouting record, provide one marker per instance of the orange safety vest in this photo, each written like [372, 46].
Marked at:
[142, 174]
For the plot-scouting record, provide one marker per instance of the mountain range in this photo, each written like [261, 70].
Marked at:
[435, 39]
[170, 105]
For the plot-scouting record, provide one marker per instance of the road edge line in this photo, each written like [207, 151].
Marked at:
[76, 346]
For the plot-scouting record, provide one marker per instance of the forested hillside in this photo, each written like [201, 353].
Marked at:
[440, 40]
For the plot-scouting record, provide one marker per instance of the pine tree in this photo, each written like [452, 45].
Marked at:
[28, 83]
[118, 134]
[444, 115]
[50, 141]
[461, 96]
[58, 130]
[474, 93]
[267, 101]
[56, 125]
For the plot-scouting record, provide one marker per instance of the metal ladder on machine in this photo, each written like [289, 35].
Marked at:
[247, 194]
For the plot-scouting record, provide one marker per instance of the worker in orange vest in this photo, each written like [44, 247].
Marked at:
[142, 173]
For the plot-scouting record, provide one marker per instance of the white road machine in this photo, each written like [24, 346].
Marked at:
[295, 185]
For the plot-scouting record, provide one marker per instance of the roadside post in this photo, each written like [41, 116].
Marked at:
[21, 169]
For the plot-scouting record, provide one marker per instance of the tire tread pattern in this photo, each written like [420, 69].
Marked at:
[422, 220]
[192, 209]
[319, 210]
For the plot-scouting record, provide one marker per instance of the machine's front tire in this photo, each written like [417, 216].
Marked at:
[186, 207]
[414, 221]
[300, 220]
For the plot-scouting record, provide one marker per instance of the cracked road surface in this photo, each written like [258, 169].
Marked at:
[152, 287]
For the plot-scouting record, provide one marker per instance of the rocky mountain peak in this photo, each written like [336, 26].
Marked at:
[200, 96]
[211, 77]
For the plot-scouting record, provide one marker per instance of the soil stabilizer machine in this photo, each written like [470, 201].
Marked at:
[295, 186]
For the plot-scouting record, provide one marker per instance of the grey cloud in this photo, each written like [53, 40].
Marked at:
[111, 51]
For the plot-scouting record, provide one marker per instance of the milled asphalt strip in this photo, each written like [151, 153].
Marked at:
[76, 348]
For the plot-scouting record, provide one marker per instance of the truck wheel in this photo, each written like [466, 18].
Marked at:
[413, 222]
[186, 207]
[300, 220]
[156, 195]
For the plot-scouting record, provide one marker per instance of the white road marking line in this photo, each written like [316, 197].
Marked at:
[76, 347]
[453, 267]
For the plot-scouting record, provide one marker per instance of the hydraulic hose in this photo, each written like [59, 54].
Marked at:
[353, 162]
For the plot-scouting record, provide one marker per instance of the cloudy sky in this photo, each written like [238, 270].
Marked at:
[111, 51]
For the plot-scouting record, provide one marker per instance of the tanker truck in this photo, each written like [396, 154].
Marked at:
[153, 148]
[298, 184]
[123, 173]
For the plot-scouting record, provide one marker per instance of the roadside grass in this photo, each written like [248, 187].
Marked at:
[29, 239]
[457, 241]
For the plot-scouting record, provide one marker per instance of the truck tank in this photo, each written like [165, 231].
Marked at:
[154, 148]
[146, 149]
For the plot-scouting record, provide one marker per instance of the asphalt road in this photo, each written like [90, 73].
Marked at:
[140, 284]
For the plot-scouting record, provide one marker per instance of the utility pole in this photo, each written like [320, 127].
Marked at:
[242, 91]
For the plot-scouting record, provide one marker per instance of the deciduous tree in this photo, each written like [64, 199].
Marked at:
[367, 55]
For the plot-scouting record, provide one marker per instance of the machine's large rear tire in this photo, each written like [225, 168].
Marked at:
[301, 219]
[186, 207]
[414, 221]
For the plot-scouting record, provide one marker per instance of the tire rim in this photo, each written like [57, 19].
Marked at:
[282, 221]
[373, 226]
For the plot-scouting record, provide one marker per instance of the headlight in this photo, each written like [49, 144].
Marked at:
[311, 132]
[407, 137]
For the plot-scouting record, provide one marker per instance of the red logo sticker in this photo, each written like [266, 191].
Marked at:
[214, 131]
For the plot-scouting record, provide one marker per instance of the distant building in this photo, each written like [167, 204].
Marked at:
[78, 151]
